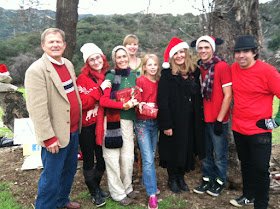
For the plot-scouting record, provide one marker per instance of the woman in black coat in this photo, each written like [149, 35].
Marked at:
[180, 114]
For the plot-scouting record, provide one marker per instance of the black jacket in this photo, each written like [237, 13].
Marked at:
[181, 109]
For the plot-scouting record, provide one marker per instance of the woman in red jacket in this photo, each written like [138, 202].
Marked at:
[91, 84]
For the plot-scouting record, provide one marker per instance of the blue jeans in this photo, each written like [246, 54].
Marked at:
[254, 153]
[147, 137]
[214, 167]
[57, 177]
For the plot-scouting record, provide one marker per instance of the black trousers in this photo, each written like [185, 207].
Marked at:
[254, 152]
[90, 149]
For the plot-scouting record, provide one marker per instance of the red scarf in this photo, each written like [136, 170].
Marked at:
[99, 77]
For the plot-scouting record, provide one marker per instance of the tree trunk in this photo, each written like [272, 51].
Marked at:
[232, 18]
[66, 20]
[229, 19]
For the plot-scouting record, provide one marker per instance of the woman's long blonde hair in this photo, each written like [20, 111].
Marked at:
[144, 62]
[190, 65]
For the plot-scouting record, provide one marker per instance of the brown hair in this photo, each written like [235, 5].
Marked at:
[144, 62]
[52, 30]
[189, 65]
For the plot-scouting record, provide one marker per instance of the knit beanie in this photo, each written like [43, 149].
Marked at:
[114, 53]
[209, 39]
[89, 49]
[174, 46]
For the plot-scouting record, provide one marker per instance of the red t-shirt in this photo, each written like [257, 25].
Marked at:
[253, 91]
[222, 78]
[149, 94]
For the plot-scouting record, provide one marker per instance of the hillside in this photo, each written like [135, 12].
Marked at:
[20, 31]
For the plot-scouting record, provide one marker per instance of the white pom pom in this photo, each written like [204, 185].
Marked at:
[165, 65]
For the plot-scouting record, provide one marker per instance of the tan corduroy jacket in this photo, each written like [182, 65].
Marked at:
[47, 102]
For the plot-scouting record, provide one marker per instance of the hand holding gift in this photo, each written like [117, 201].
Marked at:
[130, 104]
[149, 109]
[125, 95]
[140, 106]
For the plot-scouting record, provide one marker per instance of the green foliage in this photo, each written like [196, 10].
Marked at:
[270, 13]
[154, 32]
[22, 44]
[274, 43]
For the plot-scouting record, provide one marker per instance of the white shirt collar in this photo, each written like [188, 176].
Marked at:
[55, 61]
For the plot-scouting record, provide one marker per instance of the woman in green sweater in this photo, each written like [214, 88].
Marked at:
[119, 160]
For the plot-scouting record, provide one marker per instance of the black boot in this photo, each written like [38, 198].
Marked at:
[173, 185]
[97, 199]
[92, 185]
[98, 176]
[182, 184]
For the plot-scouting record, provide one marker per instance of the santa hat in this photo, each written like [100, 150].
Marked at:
[174, 46]
[211, 40]
[89, 49]
[4, 70]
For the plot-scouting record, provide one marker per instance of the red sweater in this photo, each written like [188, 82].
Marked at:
[149, 94]
[72, 97]
[90, 94]
[253, 91]
[222, 78]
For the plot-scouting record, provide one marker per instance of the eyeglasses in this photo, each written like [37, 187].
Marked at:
[97, 58]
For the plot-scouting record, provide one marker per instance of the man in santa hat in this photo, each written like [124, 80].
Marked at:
[217, 95]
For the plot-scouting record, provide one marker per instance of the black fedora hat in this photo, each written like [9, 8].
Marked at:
[245, 42]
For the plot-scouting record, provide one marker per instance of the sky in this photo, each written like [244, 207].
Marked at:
[107, 7]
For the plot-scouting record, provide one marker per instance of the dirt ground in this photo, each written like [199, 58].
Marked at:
[25, 184]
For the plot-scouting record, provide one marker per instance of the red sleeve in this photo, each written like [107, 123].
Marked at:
[50, 141]
[105, 100]
[225, 73]
[89, 95]
[139, 83]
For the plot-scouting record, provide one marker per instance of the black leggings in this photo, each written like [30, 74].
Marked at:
[89, 148]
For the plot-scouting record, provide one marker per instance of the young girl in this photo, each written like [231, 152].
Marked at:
[147, 127]
[131, 43]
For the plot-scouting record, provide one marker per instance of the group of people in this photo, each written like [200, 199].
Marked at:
[193, 102]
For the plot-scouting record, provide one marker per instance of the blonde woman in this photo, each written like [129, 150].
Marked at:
[180, 114]
[131, 42]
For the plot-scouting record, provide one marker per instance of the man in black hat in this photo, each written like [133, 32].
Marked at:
[254, 85]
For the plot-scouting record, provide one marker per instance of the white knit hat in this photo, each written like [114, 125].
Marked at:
[89, 49]
[114, 53]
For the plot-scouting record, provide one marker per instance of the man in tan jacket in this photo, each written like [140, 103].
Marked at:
[55, 108]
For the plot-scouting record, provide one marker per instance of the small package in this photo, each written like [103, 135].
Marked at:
[125, 95]
[149, 111]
